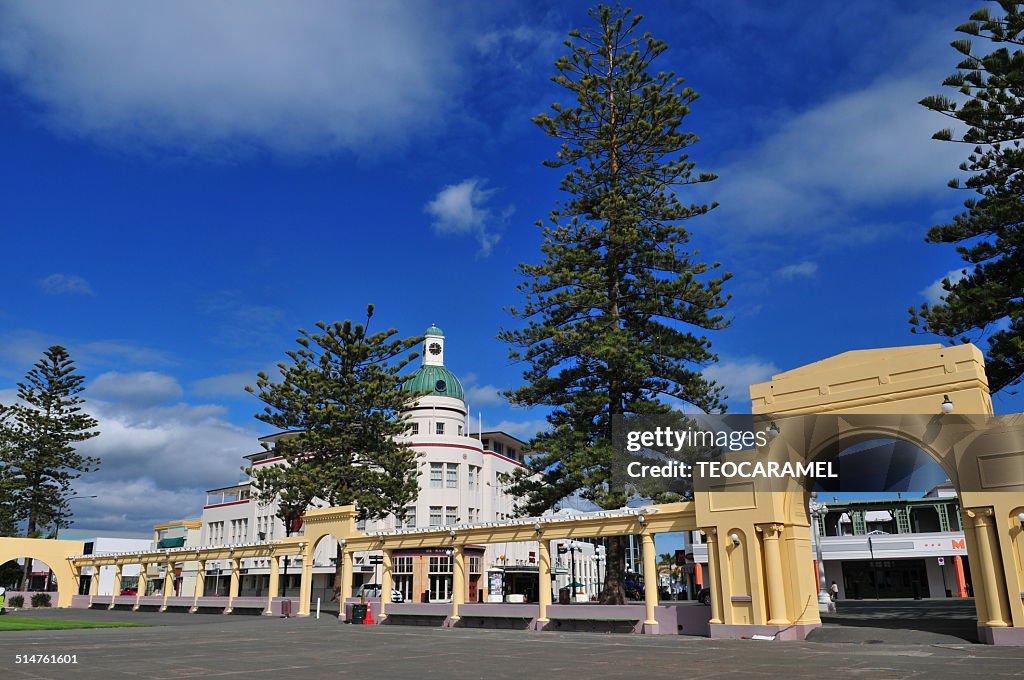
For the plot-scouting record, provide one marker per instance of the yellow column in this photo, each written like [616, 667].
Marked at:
[140, 588]
[306, 586]
[117, 584]
[346, 577]
[94, 583]
[236, 566]
[168, 584]
[273, 585]
[983, 531]
[200, 584]
[386, 583]
[713, 585]
[544, 572]
[458, 580]
[773, 569]
[650, 578]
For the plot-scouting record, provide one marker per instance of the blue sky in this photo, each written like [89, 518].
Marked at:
[184, 186]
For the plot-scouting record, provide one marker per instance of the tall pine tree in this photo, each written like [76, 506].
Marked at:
[617, 311]
[988, 302]
[41, 432]
[342, 395]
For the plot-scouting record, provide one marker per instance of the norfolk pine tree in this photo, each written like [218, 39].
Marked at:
[342, 395]
[989, 300]
[616, 312]
[40, 434]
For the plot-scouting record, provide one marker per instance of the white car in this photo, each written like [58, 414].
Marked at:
[372, 590]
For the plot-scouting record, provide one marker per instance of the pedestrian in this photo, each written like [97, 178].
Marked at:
[834, 591]
[3, 600]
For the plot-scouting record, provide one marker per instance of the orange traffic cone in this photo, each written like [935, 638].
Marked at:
[368, 619]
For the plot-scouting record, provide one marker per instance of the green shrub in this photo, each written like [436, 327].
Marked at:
[41, 600]
[16, 602]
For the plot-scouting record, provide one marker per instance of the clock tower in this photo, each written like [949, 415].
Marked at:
[433, 347]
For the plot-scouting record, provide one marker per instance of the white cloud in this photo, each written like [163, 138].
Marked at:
[737, 375]
[144, 388]
[484, 395]
[859, 150]
[119, 352]
[935, 293]
[799, 270]
[157, 461]
[61, 284]
[225, 384]
[461, 209]
[21, 348]
[226, 77]
[481, 395]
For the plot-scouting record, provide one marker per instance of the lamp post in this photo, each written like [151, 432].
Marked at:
[599, 558]
[56, 530]
[817, 510]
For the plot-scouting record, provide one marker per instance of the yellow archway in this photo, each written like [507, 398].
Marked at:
[55, 554]
[895, 393]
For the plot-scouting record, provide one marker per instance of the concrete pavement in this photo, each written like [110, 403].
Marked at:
[217, 646]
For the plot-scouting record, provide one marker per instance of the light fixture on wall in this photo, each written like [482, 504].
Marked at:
[735, 538]
[642, 519]
[537, 527]
[773, 430]
[947, 404]
[452, 534]
[1020, 518]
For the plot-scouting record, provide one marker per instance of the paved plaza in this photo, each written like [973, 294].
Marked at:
[217, 646]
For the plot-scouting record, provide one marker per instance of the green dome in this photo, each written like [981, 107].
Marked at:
[434, 330]
[435, 381]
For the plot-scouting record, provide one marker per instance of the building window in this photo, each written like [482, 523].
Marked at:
[460, 430]
[409, 520]
[471, 477]
[497, 447]
[414, 428]
[452, 475]
[439, 427]
[402, 569]
[360, 525]
[435, 515]
[474, 564]
[440, 578]
[451, 515]
[435, 475]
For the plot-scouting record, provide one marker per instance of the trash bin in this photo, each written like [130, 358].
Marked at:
[358, 613]
[563, 595]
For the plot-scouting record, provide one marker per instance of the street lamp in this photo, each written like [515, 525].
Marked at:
[817, 510]
[56, 531]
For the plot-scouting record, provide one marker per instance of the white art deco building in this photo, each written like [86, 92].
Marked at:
[460, 483]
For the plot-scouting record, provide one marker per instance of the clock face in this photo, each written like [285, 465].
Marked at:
[434, 348]
[440, 385]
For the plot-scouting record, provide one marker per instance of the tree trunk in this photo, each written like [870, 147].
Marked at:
[26, 574]
[615, 572]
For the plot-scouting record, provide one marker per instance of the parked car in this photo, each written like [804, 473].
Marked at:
[372, 590]
[130, 591]
[704, 596]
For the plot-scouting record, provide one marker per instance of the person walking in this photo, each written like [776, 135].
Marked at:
[833, 591]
